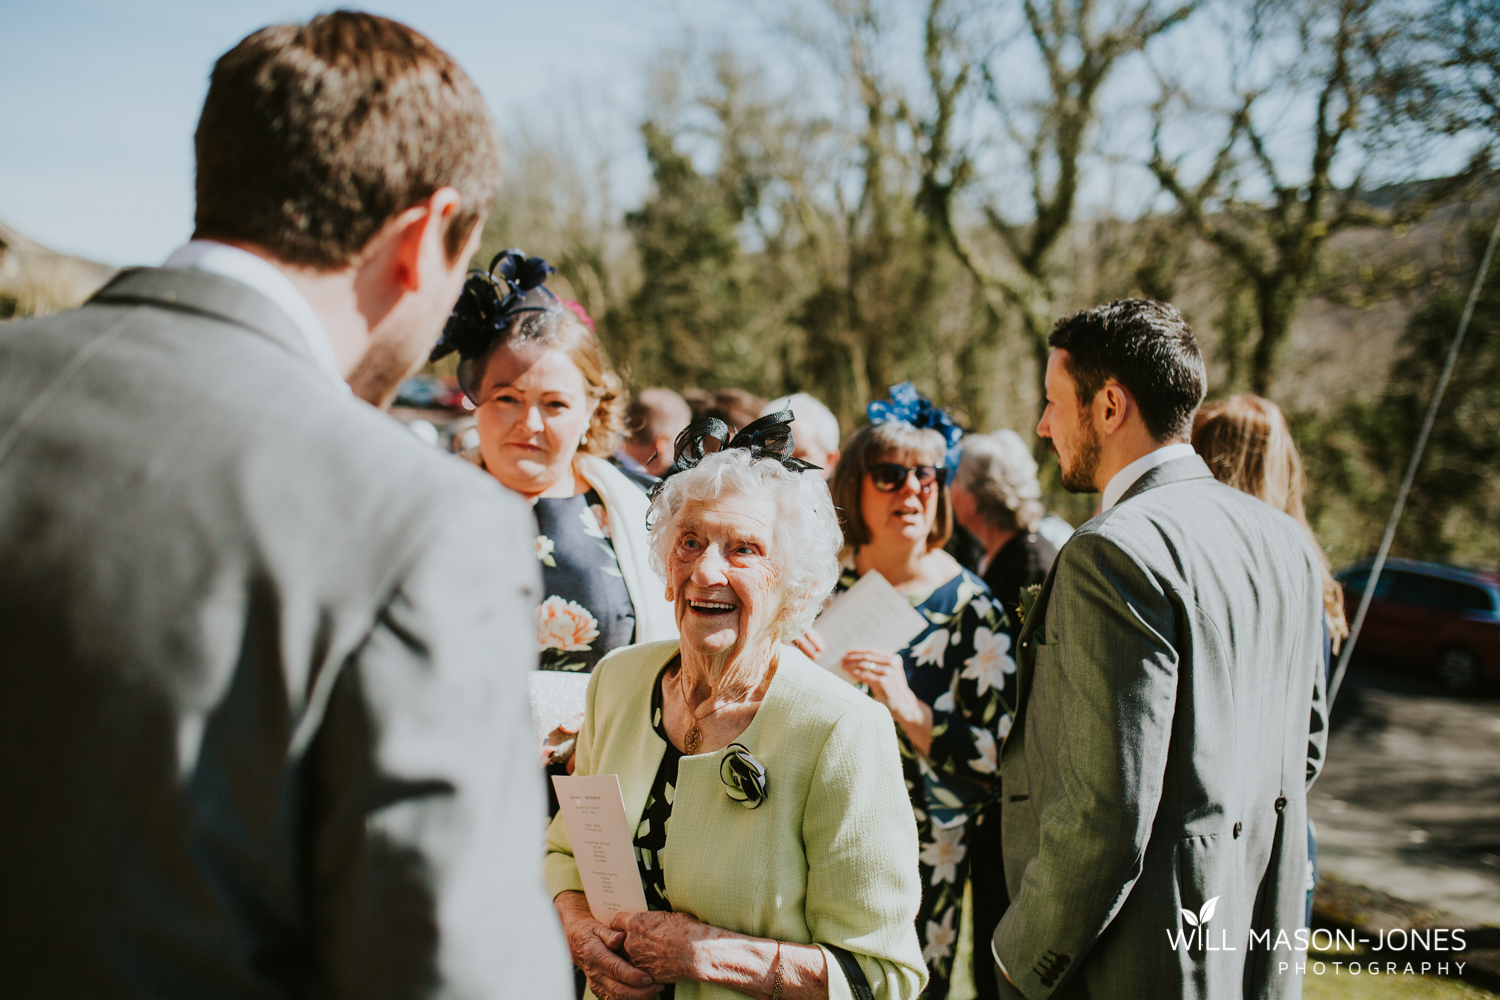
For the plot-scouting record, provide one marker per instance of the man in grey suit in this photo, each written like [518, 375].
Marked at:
[263, 724]
[1154, 781]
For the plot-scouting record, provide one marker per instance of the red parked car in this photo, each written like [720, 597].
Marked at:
[1440, 618]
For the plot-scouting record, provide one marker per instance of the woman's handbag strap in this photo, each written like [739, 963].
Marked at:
[852, 972]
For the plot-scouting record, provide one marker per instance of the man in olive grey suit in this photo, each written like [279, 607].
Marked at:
[1170, 692]
[263, 723]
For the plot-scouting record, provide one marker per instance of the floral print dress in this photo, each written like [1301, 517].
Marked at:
[961, 665]
[586, 610]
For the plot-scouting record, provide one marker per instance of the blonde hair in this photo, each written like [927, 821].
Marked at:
[875, 443]
[1247, 444]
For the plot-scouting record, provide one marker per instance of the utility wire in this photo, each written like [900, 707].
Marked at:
[1411, 469]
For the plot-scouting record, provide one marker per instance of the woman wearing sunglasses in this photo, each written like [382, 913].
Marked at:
[950, 690]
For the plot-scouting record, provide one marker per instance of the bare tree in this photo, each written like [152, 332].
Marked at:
[1270, 216]
[1080, 47]
[1446, 71]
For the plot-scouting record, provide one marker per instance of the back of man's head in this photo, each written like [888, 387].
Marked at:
[314, 135]
[812, 417]
[1149, 349]
[656, 413]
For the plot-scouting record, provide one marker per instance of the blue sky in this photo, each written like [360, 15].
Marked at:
[101, 98]
[98, 100]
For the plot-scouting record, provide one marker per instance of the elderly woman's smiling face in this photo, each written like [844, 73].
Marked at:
[722, 575]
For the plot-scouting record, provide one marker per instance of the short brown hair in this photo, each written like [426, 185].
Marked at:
[875, 443]
[314, 135]
[1146, 346]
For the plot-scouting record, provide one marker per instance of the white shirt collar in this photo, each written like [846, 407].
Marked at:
[246, 268]
[1121, 481]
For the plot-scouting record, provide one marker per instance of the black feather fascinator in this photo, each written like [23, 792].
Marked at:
[769, 437]
[489, 304]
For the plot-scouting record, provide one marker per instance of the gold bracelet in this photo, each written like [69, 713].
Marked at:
[776, 982]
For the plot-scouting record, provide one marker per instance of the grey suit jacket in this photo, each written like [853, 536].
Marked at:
[263, 723]
[1169, 721]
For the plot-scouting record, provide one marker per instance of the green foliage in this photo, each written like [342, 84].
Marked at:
[1357, 456]
[797, 261]
[686, 323]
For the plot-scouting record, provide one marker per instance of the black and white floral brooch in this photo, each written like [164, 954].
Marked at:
[744, 777]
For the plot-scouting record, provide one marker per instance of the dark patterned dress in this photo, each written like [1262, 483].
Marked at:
[651, 832]
[586, 610]
[960, 665]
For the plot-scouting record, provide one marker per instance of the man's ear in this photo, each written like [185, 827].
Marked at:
[666, 448]
[1113, 406]
[421, 238]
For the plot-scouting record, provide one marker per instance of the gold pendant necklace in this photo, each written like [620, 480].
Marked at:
[694, 734]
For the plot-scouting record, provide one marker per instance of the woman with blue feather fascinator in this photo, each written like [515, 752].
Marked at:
[951, 688]
[548, 412]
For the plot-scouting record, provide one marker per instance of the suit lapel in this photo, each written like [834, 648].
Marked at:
[1033, 626]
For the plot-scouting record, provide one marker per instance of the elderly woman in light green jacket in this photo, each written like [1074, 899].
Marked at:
[773, 834]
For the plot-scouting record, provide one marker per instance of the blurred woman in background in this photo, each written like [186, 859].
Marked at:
[950, 690]
[998, 499]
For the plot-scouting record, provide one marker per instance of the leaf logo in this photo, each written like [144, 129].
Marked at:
[1203, 916]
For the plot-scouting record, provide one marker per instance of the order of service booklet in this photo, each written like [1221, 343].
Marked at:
[593, 812]
[869, 615]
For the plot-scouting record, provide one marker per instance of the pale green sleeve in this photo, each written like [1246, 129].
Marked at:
[863, 889]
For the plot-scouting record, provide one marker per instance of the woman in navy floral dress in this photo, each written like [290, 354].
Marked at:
[951, 690]
[548, 413]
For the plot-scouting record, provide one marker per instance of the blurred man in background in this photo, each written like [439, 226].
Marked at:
[263, 725]
[736, 407]
[816, 429]
[653, 420]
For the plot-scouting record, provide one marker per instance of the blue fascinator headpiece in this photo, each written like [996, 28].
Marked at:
[908, 406]
[490, 302]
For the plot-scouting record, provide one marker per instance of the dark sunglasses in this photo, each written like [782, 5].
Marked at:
[889, 477]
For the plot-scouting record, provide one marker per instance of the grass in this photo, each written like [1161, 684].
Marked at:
[1368, 987]
[1364, 986]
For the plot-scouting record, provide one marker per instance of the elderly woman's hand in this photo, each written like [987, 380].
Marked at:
[593, 945]
[661, 944]
[676, 946]
[886, 676]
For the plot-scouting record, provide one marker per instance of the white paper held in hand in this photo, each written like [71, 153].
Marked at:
[869, 615]
[593, 812]
[556, 697]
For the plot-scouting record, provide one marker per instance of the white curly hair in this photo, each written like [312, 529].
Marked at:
[807, 535]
